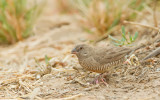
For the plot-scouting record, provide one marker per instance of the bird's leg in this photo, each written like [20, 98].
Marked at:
[100, 78]
[104, 81]
[96, 80]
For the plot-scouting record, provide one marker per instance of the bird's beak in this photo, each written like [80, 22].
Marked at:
[74, 51]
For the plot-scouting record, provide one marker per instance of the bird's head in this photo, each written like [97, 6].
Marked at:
[82, 51]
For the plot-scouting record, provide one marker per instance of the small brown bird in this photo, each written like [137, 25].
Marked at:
[100, 60]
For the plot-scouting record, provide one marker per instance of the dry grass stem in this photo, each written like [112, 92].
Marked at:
[154, 14]
[147, 26]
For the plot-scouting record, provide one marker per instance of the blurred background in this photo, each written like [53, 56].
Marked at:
[22, 19]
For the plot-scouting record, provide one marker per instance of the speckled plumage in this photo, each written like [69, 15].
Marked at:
[100, 60]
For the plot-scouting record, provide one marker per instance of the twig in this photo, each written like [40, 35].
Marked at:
[8, 81]
[25, 86]
[80, 82]
[154, 14]
[152, 54]
[74, 97]
[105, 36]
[92, 87]
[147, 26]
[144, 71]
[32, 95]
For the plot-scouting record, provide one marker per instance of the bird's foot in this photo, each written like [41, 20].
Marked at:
[100, 79]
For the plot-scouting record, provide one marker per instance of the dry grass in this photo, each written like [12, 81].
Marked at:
[17, 20]
[64, 7]
[101, 16]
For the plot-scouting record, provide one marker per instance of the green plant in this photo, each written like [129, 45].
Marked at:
[16, 20]
[124, 40]
[47, 59]
[100, 16]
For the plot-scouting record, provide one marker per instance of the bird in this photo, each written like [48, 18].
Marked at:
[100, 59]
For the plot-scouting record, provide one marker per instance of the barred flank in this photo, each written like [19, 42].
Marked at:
[100, 69]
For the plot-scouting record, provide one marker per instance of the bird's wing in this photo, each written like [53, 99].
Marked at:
[105, 56]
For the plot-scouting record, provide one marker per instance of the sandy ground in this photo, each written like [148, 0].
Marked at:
[25, 75]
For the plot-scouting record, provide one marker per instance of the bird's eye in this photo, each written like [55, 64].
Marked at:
[81, 48]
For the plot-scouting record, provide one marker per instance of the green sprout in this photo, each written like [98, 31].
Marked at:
[124, 40]
[47, 59]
